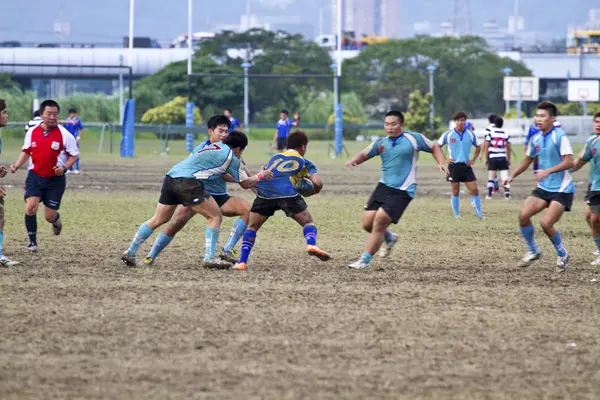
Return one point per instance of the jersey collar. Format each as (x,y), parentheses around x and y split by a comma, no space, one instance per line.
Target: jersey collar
(394,140)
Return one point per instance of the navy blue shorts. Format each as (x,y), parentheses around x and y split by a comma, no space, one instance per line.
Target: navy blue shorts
(49,190)
(281,143)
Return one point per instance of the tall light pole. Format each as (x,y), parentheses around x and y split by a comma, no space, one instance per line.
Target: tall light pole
(189,106)
(131,12)
(431,68)
(507,71)
(246,65)
(338,108)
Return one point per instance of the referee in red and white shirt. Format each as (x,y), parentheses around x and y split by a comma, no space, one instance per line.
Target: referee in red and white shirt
(53,150)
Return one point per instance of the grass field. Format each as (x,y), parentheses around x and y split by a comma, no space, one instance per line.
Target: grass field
(448,315)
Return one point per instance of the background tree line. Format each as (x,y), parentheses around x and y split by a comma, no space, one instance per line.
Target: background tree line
(383,76)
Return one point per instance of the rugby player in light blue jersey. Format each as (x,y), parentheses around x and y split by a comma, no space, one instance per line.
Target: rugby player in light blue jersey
(591,154)
(230,206)
(184,184)
(460,166)
(397,186)
(555,188)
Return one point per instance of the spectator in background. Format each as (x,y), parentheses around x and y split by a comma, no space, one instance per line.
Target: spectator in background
(75,127)
(236,125)
(284,127)
(35,121)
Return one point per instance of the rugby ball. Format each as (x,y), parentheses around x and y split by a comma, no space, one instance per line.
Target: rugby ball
(305,187)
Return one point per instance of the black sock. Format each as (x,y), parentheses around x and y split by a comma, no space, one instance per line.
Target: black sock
(31,226)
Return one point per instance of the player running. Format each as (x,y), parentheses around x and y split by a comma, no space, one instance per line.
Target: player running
(497,150)
(459,141)
(555,188)
(52,151)
(396,189)
(592,207)
(230,206)
(282,194)
(184,184)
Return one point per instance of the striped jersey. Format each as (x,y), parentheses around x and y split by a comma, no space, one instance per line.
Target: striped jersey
(497,139)
(34,122)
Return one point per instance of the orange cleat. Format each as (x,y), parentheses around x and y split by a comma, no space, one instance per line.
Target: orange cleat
(240,267)
(317,252)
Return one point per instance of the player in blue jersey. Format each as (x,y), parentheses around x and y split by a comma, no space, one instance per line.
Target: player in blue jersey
(184,184)
(591,154)
(75,127)
(459,141)
(281,193)
(284,127)
(234,123)
(555,188)
(230,206)
(397,186)
(533,130)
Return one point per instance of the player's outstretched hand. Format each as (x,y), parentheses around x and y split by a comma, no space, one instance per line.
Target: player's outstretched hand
(350,164)
(444,169)
(507,181)
(13,169)
(2,192)
(3,171)
(266,175)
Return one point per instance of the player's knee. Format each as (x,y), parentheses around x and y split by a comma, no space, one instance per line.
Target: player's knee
(546,225)
(594,220)
(31,209)
(367,226)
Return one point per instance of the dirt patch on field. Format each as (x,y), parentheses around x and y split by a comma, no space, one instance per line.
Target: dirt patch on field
(446,316)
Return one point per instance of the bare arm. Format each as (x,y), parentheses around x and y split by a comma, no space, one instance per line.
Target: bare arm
(476,155)
(263,175)
(438,155)
(23,158)
(357,160)
(579,163)
(520,169)
(317,182)
(508,152)
(486,146)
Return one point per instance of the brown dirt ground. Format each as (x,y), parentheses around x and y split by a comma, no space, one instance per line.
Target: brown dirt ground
(447,316)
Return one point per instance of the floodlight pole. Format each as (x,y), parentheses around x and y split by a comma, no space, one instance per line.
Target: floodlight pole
(507,71)
(246,65)
(431,68)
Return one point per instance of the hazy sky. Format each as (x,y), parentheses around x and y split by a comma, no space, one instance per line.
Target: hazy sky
(107,20)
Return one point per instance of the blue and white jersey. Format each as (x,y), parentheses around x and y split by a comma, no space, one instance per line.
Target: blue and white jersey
(533,130)
(214,186)
(284,127)
(550,149)
(591,153)
(459,144)
(210,163)
(399,157)
(287,168)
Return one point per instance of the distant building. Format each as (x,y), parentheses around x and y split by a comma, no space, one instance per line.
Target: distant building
(368,17)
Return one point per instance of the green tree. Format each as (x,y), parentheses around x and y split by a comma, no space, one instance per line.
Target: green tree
(270,53)
(468,76)
(172,113)
(416,119)
(354,112)
(7,84)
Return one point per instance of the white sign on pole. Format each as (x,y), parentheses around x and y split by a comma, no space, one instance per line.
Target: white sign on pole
(529,86)
(584,90)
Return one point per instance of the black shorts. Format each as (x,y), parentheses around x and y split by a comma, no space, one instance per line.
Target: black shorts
(186,191)
(289,205)
(588,194)
(221,198)
(460,172)
(594,202)
(49,190)
(497,164)
(393,201)
(281,143)
(566,199)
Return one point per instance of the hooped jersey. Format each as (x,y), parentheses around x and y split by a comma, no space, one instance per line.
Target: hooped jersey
(287,168)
